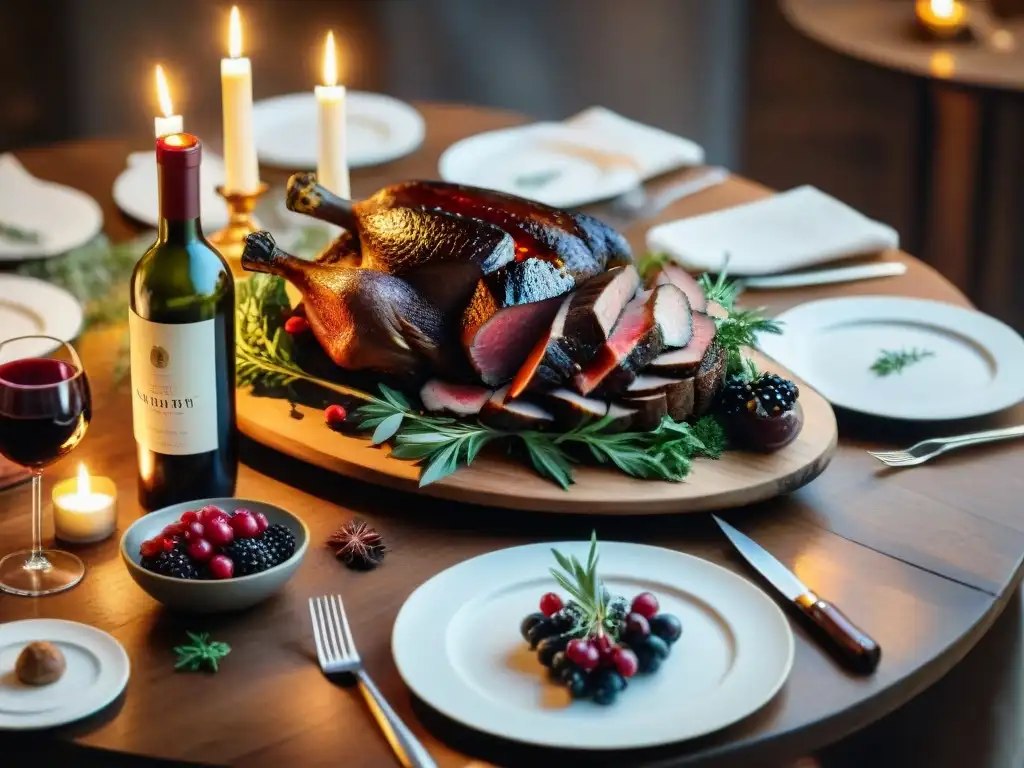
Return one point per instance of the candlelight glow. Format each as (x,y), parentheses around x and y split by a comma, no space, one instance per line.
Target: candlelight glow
(83,488)
(163,93)
(943,9)
(235,34)
(330,61)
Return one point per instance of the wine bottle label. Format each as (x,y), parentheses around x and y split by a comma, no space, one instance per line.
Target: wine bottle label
(174,385)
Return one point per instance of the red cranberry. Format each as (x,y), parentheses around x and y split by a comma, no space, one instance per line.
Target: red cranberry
(296,324)
(191,516)
(167,544)
(334,415)
(550,604)
(583,654)
(194,530)
(211,512)
(625,662)
(244,525)
(221,567)
(261,521)
(637,625)
(200,550)
(219,533)
(646,605)
(151,548)
(172,530)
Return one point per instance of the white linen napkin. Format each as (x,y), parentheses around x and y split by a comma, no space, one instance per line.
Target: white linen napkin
(799,228)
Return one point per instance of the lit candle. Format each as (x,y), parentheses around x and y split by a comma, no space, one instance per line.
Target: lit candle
(169,123)
(84,508)
(241,170)
(331,163)
(942,18)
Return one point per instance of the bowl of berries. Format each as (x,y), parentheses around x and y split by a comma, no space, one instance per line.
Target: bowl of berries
(214,555)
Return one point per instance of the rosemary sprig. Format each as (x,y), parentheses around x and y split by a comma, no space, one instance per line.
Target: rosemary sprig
(200,652)
(895,361)
(721,290)
(15,234)
(583,585)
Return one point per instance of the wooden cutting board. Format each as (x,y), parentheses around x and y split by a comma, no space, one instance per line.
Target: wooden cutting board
(737,479)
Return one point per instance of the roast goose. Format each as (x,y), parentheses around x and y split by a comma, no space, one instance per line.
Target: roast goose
(527,316)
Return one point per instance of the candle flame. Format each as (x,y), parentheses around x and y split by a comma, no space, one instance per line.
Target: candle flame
(943,9)
(330,61)
(83,488)
(235,34)
(163,93)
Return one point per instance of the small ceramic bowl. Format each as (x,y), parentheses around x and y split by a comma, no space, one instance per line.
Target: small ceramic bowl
(211,596)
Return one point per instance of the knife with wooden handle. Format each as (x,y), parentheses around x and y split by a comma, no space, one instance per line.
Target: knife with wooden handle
(848,643)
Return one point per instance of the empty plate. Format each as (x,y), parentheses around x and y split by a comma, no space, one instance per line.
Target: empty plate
(968,365)
(379,129)
(31,307)
(457,645)
(97,671)
(136,191)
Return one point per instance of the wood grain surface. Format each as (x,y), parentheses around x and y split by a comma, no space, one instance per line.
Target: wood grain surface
(923,560)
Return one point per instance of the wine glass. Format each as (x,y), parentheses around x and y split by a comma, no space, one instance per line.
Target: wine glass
(45,407)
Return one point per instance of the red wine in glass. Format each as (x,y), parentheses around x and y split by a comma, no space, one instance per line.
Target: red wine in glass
(45,407)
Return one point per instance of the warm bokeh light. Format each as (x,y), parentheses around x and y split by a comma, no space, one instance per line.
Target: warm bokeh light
(942,64)
(943,8)
(235,33)
(330,61)
(83,488)
(163,93)
(180,140)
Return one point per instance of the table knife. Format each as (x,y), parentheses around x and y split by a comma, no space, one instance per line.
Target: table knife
(851,645)
(825,276)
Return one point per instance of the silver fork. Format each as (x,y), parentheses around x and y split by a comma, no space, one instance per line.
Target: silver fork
(337,654)
(929,449)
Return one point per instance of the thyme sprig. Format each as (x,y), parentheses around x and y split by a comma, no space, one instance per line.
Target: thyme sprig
(895,361)
(200,652)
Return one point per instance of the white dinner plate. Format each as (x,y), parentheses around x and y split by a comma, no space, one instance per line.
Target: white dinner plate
(457,645)
(974,368)
(379,129)
(552,163)
(137,194)
(62,217)
(30,307)
(97,671)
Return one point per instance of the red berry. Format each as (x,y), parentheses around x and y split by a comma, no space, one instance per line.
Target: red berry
(550,604)
(210,512)
(605,648)
(151,548)
(582,654)
(219,532)
(334,415)
(296,324)
(244,525)
(200,550)
(261,521)
(637,625)
(646,605)
(172,530)
(167,544)
(194,530)
(625,662)
(191,516)
(221,567)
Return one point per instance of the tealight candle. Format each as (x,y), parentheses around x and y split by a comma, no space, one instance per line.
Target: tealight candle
(331,163)
(169,123)
(241,168)
(84,508)
(942,18)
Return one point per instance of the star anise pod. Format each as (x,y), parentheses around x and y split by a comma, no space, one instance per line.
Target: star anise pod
(358,545)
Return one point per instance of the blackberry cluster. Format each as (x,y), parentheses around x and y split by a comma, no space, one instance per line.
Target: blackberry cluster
(279,542)
(174,563)
(767,395)
(249,556)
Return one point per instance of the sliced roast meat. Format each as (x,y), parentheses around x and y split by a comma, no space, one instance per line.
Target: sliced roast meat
(571,409)
(679,393)
(675,317)
(498,345)
(457,399)
(547,363)
(622,417)
(650,410)
(675,275)
(513,415)
(709,379)
(683,363)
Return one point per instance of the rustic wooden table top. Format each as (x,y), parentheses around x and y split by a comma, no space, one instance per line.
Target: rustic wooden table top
(923,559)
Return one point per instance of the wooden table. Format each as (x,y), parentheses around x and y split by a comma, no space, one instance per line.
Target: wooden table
(923,559)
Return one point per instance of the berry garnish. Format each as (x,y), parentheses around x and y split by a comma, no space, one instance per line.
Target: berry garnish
(646,605)
(194,530)
(667,627)
(221,567)
(548,647)
(296,324)
(200,550)
(550,604)
(761,414)
(529,623)
(583,654)
(191,516)
(172,530)
(625,662)
(151,547)
(637,626)
(211,512)
(261,521)
(219,532)
(244,525)
(334,415)
(167,543)
(542,629)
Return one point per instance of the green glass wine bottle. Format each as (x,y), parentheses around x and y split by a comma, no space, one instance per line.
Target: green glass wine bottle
(182,332)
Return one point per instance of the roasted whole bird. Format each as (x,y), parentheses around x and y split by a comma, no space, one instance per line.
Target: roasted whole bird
(524,314)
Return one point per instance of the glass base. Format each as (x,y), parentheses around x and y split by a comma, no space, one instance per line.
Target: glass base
(55,571)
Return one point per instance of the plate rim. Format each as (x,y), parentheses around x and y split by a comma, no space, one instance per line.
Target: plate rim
(769,345)
(66,331)
(87,201)
(772,607)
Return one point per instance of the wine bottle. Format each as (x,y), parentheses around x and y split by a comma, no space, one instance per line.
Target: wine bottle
(182,333)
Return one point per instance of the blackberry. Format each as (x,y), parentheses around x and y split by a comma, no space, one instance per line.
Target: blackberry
(767,395)
(570,617)
(279,542)
(175,564)
(615,615)
(249,556)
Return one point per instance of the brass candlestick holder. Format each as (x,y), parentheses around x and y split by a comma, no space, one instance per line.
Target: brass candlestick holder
(230,241)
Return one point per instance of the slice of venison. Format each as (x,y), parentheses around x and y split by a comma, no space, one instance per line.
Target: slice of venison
(709,379)
(675,275)
(513,415)
(683,363)
(650,410)
(679,393)
(571,409)
(458,399)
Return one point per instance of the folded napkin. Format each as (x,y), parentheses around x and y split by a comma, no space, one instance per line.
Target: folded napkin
(799,228)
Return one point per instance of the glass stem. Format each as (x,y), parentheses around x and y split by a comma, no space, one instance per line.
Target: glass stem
(37,561)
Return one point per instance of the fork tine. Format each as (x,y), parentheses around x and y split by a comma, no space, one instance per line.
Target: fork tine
(325,622)
(332,605)
(891,455)
(348,630)
(320,655)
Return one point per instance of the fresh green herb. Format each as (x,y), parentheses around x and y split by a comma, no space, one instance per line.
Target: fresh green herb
(17,235)
(738,331)
(585,587)
(649,264)
(200,652)
(721,290)
(711,434)
(894,361)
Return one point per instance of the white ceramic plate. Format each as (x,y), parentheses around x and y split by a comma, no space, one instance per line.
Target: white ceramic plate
(97,671)
(29,307)
(831,344)
(137,194)
(63,217)
(549,162)
(379,129)
(457,645)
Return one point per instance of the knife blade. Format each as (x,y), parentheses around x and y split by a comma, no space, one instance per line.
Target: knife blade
(851,645)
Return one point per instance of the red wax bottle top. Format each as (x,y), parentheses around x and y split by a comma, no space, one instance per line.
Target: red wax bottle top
(181,150)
